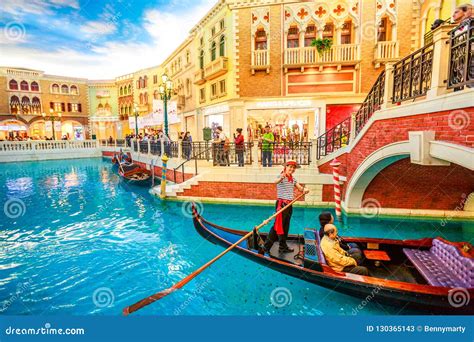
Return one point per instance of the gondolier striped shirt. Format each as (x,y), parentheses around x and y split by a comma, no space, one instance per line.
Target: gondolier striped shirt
(285,189)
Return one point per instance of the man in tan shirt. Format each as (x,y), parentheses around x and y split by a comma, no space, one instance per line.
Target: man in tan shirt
(337,258)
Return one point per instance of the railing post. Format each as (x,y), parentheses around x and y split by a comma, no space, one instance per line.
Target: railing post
(149,149)
(440,66)
(313,152)
(388,87)
(254,152)
(180,149)
(352,128)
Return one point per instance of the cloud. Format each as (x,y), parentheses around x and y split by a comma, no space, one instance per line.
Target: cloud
(43,7)
(161,32)
(93,28)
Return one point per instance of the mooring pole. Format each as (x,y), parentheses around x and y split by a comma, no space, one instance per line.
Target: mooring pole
(164,160)
(337,187)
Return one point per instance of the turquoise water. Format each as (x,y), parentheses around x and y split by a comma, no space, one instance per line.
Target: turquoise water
(75,240)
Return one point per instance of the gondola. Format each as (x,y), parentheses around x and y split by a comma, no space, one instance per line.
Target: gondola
(134,174)
(404,280)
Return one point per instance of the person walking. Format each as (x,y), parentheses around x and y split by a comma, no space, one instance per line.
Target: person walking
(239,146)
(268,141)
(286,184)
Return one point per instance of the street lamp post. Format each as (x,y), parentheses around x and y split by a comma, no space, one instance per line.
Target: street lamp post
(135,113)
(52,118)
(166,90)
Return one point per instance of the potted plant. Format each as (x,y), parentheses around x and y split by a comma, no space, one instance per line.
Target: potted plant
(322,45)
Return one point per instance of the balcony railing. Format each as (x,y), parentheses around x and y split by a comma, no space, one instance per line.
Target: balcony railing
(461,66)
(199,77)
(216,68)
(386,52)
(260,60)
(412,75)
(338,54)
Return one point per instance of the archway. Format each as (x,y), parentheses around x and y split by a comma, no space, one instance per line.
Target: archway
(73,130)
(13,129)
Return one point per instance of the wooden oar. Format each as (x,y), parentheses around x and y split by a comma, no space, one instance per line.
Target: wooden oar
(157,296)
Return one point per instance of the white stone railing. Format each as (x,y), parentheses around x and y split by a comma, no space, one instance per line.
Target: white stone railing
(309,55)
(47,145)
(386,51)
(260,58)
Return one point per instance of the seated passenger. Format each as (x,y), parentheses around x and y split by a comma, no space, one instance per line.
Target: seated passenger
(337,258)
(352,248)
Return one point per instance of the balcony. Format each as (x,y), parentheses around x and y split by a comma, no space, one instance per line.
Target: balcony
(345,54)
(216,68)
(260,61)
(385,52)
(199,77)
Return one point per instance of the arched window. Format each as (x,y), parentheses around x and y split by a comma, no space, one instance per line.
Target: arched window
(260,39)
(129,89)
(74,90)
(100,106)
(213,51)
(24,85)
(188,87)
(13,85)
(384,30)
(129,109)
(25,105)
(145,81)
(14,105)
(309,34)
(328,31)
(64,89)
(201,59)
(35,104)
(141,98)
(293,37)
(222,46)
(55,88)
(35,86)
(145,98)
(121,91)
(156,95)
(346,33)
(188,57)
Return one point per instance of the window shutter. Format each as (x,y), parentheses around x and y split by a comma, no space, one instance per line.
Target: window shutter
(79,107)
(69,107)
(63,107)
(51,105)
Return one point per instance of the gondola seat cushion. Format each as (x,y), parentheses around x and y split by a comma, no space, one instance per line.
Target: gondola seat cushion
(443,265)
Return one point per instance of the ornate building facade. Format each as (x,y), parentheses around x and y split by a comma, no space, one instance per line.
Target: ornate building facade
(299,66)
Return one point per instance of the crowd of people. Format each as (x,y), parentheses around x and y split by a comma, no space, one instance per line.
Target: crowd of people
(30,138)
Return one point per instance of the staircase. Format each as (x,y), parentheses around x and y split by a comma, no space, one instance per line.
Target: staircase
(172,190)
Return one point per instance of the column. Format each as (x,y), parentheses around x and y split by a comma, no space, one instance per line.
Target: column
(440,68)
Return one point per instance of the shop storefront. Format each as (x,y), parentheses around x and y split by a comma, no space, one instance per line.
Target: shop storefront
(215,116)
(289,120)
(12,129)
(105,127)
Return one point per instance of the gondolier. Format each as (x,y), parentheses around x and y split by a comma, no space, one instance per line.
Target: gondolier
(285,194)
